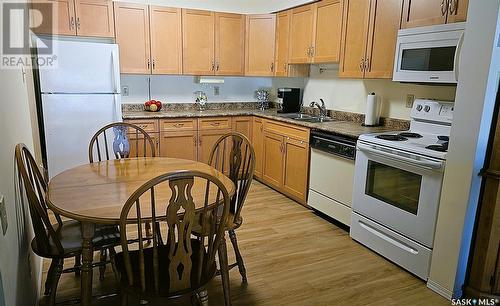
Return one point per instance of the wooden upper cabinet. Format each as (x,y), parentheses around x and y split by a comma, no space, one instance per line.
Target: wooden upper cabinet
(260,40)
(354,37)
(166,40)
(132,36)
(327,29)
(282,37)
(457,10)
(198,42)
(301,34)
(43,21)
(229,44)
(94,18)
(417,13)
(384,25)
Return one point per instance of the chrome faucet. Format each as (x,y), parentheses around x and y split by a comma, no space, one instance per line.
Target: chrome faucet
(322,107)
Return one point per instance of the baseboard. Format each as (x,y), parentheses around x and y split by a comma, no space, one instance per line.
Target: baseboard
(447,294)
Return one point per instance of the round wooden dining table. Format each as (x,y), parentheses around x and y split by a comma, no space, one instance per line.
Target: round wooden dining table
(95,194)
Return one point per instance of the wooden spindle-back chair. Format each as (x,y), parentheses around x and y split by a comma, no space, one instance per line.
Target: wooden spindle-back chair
(55,241)
(233,155)
(182,265)
(113,141)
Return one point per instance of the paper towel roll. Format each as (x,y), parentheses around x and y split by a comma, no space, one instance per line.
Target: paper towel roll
(371,115)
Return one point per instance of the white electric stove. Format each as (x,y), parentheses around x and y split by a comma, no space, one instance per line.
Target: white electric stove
(397,186)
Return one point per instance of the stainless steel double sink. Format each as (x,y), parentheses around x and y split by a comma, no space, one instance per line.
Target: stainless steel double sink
(306,118)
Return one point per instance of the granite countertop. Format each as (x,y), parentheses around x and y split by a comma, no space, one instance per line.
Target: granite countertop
(351,129)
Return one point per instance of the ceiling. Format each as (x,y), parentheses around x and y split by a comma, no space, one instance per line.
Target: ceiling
(235,6)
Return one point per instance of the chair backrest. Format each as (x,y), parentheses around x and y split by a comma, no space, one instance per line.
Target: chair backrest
(168,202)
(116,137)
(233,155)
(34,185)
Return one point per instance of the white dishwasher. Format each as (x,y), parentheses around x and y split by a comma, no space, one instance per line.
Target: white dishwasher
(332,175)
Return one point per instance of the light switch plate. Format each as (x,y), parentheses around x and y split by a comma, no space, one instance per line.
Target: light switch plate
(409,100)
(3,215)
(125,91)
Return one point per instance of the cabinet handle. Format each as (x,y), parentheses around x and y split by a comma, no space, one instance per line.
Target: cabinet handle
(213,65)
(312,51)
(153,64)
(362,64)
(72,23)
(261,128)
(78,23)
(367,65)
(272,67)
(179,124)
(452,7)
(444,7)
(215,123)
(199,140)
(217,67)
(194,140)
(285,67)
(149,62)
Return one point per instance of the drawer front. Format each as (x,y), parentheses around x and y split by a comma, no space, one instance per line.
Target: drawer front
(292,131)
(150,126)
(215,123)
(173,125)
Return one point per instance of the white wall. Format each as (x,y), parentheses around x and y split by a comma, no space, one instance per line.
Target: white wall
(479,77)
(233,6)
(350,94)
(180,89)
(19,268)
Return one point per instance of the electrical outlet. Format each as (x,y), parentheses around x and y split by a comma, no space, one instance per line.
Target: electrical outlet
(409,100)
(3,215)
(125,91)
(216,90)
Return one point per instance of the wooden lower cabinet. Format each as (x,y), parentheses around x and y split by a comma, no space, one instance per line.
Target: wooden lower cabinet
(179,145)
(273,165)
(137,145)
(296,168)
(258,145)
(281,149)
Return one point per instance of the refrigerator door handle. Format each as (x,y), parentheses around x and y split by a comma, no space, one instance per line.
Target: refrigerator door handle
(118,108)
(115,71)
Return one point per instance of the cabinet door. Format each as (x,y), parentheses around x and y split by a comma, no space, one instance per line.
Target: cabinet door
(301,34)
(260,39)
(354,36)
(273,159)
(328,30)
(417,13)
(179,145)
(282,37)
(206,141)
(166,40)
(198,42)
(258,145)
(243,125)
(229,44)
(296,169)
(95,18)
(44,22)
(132,36)
(457,10)
(384,25)
(137,145)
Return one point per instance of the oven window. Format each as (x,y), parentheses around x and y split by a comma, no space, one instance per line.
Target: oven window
(428,59)
(394,186)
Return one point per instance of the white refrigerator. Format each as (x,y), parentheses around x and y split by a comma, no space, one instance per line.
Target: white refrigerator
(78,96)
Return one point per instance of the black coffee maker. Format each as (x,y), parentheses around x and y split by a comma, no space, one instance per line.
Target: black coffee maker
(289,100)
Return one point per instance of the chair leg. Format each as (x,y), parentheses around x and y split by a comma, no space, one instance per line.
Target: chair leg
(102,267)
(78,264)
(203,297)
(224,271)
(239,258)
(50,277)
(58,268)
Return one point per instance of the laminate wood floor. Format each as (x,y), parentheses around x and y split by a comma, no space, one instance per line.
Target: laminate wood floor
(293,257)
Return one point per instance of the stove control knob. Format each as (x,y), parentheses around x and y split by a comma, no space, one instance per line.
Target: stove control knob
(419,107)
(427,108)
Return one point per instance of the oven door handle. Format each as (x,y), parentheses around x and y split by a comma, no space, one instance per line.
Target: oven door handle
(423,163)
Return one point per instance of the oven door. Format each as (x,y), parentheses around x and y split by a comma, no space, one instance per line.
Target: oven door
(398,190)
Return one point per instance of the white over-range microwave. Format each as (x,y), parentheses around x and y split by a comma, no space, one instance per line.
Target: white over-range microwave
(429,54)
